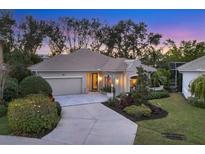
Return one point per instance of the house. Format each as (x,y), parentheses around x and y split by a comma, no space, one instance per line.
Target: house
(191,71)
(44,57)
(84,71)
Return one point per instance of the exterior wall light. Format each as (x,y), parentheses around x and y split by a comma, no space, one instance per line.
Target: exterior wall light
(100,78)
(117,81)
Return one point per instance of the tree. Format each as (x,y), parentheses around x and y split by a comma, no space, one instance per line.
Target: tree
(3,74)
(56,38)
(19,60)
(7,24)
(127,39)
(153,57)
(197,88)
(185,52)
(80,33)
(142,91)
(31,34)
(161,77)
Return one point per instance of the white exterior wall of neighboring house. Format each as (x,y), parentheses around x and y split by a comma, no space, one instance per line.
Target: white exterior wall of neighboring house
(188,77)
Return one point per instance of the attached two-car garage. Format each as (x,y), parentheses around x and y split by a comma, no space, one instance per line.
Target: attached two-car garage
(65,85)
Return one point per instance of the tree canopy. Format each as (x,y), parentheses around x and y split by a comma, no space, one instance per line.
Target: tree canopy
(125,39)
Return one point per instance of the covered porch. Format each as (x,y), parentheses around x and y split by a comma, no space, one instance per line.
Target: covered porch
(97,81)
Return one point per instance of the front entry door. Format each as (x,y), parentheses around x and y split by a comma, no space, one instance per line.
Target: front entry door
(94,81)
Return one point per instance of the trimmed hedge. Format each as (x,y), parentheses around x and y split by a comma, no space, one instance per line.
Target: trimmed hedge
(138,111)
(158,94)
(59,108)
(32,116)
(10,89)
(3,110)
(35,85)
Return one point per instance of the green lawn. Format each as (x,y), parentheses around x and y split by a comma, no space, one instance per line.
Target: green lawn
(182,118)
(4,130)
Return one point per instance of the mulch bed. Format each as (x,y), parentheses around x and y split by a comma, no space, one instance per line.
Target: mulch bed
(157,113)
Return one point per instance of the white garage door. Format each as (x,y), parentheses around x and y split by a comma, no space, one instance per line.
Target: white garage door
(65,86)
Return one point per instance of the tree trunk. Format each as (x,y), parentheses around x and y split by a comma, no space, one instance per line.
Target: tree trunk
(1,53)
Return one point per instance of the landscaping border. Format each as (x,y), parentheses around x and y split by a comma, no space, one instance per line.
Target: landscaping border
(153,116)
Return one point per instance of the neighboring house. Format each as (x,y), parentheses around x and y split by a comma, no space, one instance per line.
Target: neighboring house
(191,71)
(84,71)
(44,57)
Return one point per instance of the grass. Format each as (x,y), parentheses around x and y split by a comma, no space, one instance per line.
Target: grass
(182,118)
(4,130)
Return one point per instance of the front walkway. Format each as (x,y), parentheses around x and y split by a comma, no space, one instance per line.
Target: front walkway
(92,97)
(92,124)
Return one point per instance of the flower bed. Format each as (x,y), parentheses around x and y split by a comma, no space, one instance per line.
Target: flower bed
(156,112)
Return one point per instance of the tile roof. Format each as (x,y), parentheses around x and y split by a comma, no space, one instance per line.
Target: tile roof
(82,60)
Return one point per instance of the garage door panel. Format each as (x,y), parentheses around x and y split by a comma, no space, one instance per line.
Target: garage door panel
(65,86)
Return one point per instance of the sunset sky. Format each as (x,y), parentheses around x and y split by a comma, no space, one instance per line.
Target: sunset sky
(175,24)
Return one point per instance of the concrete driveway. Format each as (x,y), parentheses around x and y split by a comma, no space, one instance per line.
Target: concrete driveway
(68,100)
(92,124)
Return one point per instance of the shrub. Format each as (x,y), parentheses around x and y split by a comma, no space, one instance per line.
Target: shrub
(59,108)
(197,88)
(195,102)
(132,110)
(3,110)
(19,71)
(106,89)
(146,111)
(161,77)
(112,101)
(125,101)
(10,89)
(138,111)
(35,85)
(158,94)
(142,85)
(33,116)
(137,97)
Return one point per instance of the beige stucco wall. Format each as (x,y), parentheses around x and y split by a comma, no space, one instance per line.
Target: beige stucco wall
(121,86)
(67,74)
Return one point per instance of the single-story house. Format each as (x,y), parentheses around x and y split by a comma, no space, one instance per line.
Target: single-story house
(84,71)
(191,71)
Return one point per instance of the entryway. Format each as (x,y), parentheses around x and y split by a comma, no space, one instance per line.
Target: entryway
(94,81)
